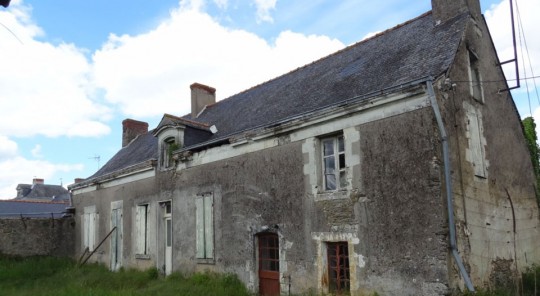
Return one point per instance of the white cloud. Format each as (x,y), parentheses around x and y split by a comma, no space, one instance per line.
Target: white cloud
(36,151)
(221,3)
(16,169)
(263,10)
(498,19)
(150,74)
(8,148)
(45,87)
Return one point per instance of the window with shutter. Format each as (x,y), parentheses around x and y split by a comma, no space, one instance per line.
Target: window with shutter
(204,214)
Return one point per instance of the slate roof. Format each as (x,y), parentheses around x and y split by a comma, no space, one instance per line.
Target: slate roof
(142,148)
(43,192)
(31,209)
(410,51)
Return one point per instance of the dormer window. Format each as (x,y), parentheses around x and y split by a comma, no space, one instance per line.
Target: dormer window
(169,146)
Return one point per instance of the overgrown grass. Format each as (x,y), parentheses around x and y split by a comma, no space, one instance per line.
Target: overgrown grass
(529,286)
(61,276)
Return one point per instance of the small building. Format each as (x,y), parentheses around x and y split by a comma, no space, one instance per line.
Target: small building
(390,166)
(36,200)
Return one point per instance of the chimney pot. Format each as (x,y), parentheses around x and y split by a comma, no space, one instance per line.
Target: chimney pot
(201,96)
(131,129)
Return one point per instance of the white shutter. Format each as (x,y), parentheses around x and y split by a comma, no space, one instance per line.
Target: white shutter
(209,225)
(476,144)
(85,221)
(139,230)
(91,231)
(199,224)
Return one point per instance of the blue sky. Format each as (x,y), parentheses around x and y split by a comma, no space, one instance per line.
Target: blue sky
(73,70)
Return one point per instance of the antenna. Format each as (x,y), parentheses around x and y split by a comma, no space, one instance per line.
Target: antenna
(97,158)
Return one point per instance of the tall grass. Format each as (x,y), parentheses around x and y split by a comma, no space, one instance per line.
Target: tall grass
(60,276)
(528,286)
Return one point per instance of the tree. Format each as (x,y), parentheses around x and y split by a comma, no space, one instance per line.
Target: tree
(529,129)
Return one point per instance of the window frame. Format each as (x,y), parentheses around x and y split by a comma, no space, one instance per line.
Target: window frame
(475,77)
(90,218)
(142,212)
(340,163)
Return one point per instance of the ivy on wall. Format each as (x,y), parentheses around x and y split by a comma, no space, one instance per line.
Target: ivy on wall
(529,129)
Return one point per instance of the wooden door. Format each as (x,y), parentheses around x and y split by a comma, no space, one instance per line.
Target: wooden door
(268,264)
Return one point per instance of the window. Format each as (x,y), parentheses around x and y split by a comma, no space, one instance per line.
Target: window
(141,228)
(338,267)
(475,143)
(475,77)
(168,147)
(269,252)
(333,156)
(89,228)
(205,226)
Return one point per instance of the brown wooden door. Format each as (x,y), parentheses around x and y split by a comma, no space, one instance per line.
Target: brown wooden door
(268,264)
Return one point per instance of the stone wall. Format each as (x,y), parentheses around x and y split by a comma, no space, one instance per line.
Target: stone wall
(42,236)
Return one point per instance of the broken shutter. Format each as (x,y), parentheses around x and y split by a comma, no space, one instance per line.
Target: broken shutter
(199,216)
(209,225)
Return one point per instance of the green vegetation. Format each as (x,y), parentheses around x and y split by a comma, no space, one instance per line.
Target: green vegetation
(529,129)
(61,276)
(528,286)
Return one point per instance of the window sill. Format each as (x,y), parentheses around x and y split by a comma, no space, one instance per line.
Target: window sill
(142,256)
(205,261)
(331,195)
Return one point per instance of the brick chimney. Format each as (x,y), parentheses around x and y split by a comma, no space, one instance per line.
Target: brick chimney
(38,181)
(131,129)
(444,10)
(78,180)
(201,96)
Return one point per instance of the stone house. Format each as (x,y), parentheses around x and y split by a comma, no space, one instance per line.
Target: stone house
(389,166)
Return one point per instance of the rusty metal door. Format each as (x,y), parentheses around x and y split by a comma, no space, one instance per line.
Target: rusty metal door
(268,264)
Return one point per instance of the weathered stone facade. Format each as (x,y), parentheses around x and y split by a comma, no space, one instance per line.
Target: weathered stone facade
(378,203)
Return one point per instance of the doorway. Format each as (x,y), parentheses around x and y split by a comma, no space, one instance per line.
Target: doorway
(268,264)
(167,234)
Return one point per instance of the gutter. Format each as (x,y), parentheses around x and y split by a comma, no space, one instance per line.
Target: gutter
(448,182)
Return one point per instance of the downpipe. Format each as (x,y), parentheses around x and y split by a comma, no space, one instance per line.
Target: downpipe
(448,181)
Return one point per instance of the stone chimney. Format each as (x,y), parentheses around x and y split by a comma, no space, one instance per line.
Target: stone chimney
(38,181)
(131,129)
(201,96)
(78,180)
(444,10)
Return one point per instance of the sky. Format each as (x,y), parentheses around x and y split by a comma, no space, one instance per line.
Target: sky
(73,70)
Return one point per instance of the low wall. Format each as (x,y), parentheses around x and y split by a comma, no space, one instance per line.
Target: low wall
(39,236)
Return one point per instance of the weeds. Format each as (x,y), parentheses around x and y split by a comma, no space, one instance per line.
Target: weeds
(60,276)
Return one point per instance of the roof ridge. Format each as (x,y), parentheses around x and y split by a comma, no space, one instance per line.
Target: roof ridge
(197,123)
